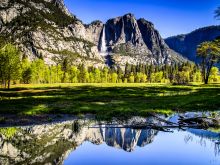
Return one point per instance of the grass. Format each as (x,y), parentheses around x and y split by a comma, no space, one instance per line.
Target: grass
(107,100)
(8,132)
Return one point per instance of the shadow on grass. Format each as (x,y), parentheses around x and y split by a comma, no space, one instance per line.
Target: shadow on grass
(108,101)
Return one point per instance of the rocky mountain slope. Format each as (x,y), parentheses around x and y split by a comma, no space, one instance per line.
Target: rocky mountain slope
(187,44)
(46,29)
(41,29)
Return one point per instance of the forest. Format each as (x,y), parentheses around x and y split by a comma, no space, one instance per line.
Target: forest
(17,70)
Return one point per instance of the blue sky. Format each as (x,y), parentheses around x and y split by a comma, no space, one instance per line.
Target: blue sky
(170,17)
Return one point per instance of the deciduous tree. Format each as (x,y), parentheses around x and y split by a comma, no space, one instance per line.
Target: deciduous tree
(210,55)
(10,64)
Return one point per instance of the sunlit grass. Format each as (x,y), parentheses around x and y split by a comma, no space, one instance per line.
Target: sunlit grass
(42,108)
(108,99)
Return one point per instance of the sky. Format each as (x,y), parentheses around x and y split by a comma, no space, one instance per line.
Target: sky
(170,17)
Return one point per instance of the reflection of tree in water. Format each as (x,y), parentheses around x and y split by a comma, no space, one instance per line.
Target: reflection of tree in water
(76,127)
(201,141)
(217,149)
(188,138)
(205,135)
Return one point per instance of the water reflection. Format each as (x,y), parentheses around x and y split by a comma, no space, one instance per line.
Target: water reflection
(214,137)
(71,142)
(126,138)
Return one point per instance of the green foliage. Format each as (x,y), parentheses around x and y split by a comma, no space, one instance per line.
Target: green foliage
(131,78)
(37,72)
(8,132)
(114,77)
(26,71)
(214,75)
(209,52)
(10,65)
(64,71)
(74,72)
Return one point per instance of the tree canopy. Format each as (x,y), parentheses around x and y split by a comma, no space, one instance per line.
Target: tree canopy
(10,64)
(210,55)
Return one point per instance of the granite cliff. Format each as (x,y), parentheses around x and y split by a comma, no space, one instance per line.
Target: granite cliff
(46,29)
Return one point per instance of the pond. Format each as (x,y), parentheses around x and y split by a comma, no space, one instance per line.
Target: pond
(87,141)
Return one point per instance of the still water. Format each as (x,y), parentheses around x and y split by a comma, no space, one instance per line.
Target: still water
(64,143)
(180,148)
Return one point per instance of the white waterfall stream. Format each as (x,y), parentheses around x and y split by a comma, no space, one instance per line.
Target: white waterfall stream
(103,47)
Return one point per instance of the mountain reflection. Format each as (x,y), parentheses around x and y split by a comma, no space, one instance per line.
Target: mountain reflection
(52,143)
(127,139)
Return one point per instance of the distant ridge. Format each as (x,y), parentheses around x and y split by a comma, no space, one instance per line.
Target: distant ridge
(186,44)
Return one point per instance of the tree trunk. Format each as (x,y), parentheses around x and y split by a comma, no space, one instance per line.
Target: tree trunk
(9,83)
(203,70)
(208,73)
(206,81)
(5,82)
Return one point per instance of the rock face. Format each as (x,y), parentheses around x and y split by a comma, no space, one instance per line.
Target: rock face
(46,29)
(187,44)
(43,29)
(136,41)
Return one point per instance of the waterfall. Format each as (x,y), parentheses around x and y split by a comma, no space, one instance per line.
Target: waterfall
(103,47)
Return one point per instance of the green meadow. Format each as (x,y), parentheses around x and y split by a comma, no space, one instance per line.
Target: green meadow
(108,99)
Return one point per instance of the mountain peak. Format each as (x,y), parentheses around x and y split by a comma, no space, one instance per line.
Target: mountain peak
(129,15)
(144,21)
(61,5)
(96,22)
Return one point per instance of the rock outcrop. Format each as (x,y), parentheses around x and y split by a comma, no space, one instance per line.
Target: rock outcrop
(187,44)
(42,29)
(136,41)
(46,29)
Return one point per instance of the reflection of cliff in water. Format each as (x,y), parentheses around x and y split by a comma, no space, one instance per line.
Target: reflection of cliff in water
(53,142)
(127,139)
